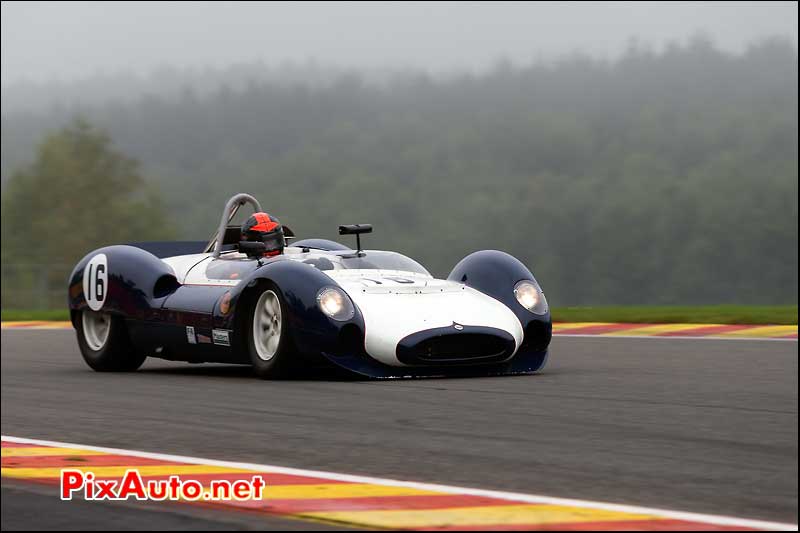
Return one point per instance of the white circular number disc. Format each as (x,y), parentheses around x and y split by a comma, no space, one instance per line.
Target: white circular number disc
(95,281)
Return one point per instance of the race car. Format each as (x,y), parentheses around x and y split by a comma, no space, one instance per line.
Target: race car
(376,313)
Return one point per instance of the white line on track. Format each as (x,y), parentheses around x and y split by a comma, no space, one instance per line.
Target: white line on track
(512,496)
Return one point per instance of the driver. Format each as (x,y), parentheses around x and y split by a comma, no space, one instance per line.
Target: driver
(263,227)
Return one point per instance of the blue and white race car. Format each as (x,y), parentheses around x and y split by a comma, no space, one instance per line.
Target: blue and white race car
(376,313)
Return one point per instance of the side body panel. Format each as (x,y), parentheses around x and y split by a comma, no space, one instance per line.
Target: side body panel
(159,311)
(300,283)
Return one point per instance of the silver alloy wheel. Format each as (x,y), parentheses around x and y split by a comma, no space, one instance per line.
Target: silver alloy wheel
(95,328)
(267,325)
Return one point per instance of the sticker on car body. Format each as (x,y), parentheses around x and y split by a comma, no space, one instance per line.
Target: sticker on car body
(221,337)
(190,335)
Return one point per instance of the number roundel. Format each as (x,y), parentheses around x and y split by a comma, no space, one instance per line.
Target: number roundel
(95,281)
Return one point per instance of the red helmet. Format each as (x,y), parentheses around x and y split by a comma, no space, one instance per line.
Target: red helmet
(263,227)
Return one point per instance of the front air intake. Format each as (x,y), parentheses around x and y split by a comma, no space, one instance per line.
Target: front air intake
(471,345)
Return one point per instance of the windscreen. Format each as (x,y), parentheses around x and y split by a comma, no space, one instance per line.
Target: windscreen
(383,261)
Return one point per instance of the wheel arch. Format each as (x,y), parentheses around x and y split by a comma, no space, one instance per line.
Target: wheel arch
(136,282)
(495,273)
(299,285)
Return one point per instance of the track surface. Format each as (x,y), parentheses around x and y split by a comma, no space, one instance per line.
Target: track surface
(696,425)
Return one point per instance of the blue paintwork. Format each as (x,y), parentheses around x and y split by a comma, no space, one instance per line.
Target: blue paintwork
(157,308)
(299,283)
(199,299)
(132,277)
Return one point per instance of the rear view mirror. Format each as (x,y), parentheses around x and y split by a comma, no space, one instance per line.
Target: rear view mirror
(355,229)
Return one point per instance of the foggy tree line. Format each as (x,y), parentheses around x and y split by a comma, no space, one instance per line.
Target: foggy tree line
(661,177)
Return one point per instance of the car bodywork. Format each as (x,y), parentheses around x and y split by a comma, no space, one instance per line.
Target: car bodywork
(191,306)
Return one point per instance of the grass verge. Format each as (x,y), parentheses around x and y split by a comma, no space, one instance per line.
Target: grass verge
(701,314)
(34,314)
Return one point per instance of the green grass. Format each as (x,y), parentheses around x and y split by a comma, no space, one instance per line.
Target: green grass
(705,314)
(35,314)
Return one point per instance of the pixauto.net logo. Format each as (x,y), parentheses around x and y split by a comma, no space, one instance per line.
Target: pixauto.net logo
(132,486)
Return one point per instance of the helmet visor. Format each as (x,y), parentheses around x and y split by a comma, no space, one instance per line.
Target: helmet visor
(273,240)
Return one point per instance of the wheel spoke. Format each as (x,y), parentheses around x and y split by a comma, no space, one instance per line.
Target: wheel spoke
(272,343)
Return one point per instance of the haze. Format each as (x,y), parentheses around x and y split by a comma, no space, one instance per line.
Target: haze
(43,41)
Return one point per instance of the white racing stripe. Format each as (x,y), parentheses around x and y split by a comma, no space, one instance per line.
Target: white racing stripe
(512,496)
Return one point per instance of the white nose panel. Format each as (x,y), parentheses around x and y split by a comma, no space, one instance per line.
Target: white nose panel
(391,316)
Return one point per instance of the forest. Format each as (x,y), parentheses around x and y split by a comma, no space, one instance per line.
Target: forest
(659,177)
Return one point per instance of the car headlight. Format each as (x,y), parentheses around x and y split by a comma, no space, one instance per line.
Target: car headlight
(531,297)
(335,303)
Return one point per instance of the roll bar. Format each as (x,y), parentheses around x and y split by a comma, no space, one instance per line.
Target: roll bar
(231,208)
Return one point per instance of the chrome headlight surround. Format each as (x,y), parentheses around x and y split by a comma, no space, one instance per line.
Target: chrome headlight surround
(334,303)
(531,297)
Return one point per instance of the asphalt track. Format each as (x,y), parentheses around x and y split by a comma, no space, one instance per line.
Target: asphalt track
(703,425)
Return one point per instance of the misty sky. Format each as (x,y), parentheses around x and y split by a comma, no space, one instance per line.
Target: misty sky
(70,40)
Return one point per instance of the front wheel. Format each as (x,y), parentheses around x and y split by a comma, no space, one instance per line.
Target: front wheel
(269,339)
(104,343)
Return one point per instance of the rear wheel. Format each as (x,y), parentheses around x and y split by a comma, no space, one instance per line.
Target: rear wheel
(269,339)
(104,343)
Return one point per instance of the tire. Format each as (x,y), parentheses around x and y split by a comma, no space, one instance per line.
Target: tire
(104,343)
(268,338)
